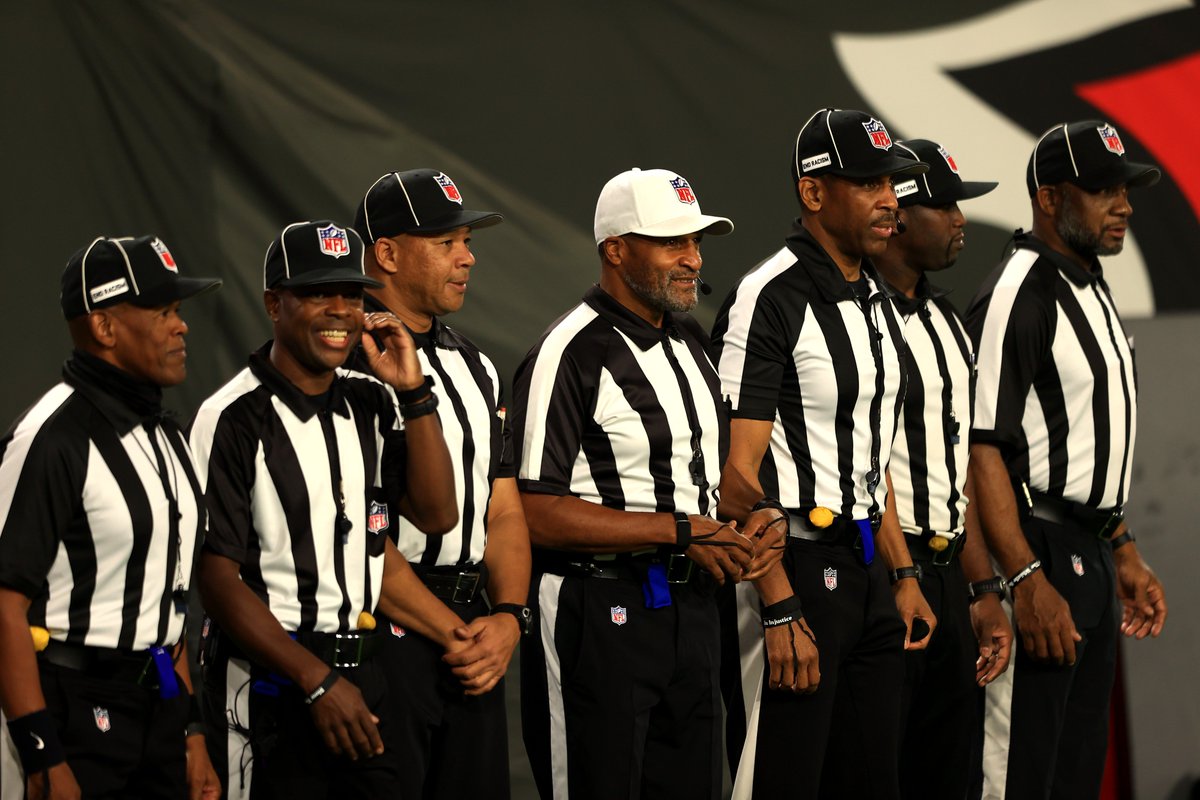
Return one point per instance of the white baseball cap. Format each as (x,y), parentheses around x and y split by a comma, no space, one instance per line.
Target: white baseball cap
(652,202)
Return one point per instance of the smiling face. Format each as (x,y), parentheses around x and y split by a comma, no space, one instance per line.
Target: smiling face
(1093,223)
(651,274)
(316,327)
(149,342)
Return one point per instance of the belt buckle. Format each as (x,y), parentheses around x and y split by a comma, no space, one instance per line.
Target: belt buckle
(460,586)
(357,648)
(674,572)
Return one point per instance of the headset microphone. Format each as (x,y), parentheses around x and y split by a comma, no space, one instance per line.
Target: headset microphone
(900,227)
(705,289)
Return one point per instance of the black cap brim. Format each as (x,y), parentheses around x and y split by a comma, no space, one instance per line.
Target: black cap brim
(319,277)
(1129,173)
(459,219)
(176,290)
(966,190)
(888,165)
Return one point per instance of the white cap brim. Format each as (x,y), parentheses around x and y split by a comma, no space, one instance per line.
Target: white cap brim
(682,226)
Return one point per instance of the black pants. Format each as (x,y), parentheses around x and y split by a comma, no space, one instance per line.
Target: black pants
(841,741)
(263,742)
(940,712)
(447,744)
(618,700)
(121,740)
(1057,737)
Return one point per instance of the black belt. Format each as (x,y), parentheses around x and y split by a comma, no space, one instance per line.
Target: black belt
(1100,522)
(454,584)
(342,650)
(918,547)
(131,666)
(843,530)
(623,566)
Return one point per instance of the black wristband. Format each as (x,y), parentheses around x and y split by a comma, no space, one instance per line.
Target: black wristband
(37,742)
(1122,540)
(784,612)
(408,396)
(325,686)
(683,531)
(768,502)
(977,589)
(900,573)
(1023,573)
(413,411)
(195,720)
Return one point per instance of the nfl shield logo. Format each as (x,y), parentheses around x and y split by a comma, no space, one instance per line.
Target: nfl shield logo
(878,133)
(683,191)
(102,720)
(618,615)
(1112,142)
(333,241)
(949,160)
(164,255)
(377,517)
(448,187)
(397,631)
(1077,564)
(830,578)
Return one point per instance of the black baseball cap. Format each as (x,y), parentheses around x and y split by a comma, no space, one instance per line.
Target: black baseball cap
(852,144)
(1088,154)
(137,270)
(941,185)
(313,253)
(416,201)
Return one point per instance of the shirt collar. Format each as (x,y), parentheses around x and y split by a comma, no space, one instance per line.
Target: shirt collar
(925,291)
(1076,274)
(439,334)
(124,401)
(639,330)
(300,404)
(825,274)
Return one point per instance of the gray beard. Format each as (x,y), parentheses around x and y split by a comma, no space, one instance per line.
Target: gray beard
(1084,242)
(659,297)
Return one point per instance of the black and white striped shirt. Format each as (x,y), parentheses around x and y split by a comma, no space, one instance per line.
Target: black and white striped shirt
(1057,387)
(472,416)
(798,345)
(100,512)
(276,465)
(620,413)
(929,456)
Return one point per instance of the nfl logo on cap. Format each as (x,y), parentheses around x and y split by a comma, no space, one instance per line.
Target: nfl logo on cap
(164,255)
(878,133)
(448,187)
(683,190)
(618,615)
(949,159)
(1112,142)
(830,578)
(333,241)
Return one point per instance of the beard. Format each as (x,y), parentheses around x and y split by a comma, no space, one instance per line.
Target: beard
(1087,243)
(655,290)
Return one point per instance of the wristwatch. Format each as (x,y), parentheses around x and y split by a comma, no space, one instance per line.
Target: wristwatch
(523,614)
(995,585)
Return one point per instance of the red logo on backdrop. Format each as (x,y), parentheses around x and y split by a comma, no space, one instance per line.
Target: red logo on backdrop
(1112,142)
(949,160)
(878,133)
(448,187)
(683,190)
(333,241)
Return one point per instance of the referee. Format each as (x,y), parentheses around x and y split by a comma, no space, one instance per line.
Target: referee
(419,248)
(621,432)
(811,355)
(100,515)
(1052,459)
(297,458)
(928,472)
